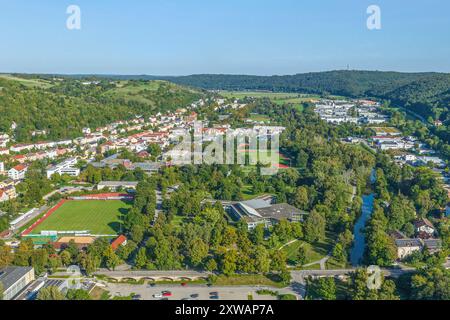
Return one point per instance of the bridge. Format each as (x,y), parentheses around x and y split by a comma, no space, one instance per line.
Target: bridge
(187,275)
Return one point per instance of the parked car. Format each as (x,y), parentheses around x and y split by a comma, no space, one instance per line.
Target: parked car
(195,295)
(214,297)
(167,294)
(184,284)
(214,293)
(157,295)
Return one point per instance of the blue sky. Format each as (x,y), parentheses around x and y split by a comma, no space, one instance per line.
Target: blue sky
(176,37)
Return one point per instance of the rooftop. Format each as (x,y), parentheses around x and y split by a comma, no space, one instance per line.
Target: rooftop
(10,275)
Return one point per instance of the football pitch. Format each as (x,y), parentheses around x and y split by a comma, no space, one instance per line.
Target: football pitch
(99,217)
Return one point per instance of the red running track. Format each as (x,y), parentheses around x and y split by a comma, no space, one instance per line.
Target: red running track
(44,217)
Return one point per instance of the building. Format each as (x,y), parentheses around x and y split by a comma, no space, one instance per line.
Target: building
(7,193)
(406,247)
(65,167)
(14,280)
(3,196)
(115,185)
(447,210)
(424,228)
(18,172)
(2,168)
(119,241)
(262,211)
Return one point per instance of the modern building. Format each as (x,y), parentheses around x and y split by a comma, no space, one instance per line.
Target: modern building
(14,280)
(2,168)
(18,172)
(65,167)
(262,211)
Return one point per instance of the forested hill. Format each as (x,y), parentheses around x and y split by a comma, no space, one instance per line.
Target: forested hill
(63,107)
(425,93)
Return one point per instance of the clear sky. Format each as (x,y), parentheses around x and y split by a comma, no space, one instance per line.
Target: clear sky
(177,37)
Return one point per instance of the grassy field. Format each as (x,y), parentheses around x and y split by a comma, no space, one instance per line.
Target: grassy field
(250,279)
(314,252)
(145,92)
(28,82)
(99,217)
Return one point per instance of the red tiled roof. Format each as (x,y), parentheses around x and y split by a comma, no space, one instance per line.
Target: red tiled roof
(20,167)
(118,241)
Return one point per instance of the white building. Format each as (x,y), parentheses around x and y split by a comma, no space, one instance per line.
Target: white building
(65,167)
(18,172)
(2,167)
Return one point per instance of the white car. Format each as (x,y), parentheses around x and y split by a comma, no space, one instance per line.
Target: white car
(157,295)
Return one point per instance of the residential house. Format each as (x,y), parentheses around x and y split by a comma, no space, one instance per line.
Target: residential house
(424,228)
(406,247)
(18,172)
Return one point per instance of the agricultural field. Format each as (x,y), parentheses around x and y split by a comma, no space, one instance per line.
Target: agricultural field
(100,217)
(276,97)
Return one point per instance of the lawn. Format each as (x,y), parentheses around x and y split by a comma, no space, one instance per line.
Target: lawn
(97,216)
(248,280)
(314,252)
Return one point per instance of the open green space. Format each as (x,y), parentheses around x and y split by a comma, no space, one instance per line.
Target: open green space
(96,216)
(248,279)
(39,83)
(314,252)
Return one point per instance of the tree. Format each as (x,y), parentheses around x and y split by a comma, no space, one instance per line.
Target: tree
(211,265)
(301,199)
(111,258)
(323,288)
(431,284)
(229,259)
(315,227)
(262,259)
(301,255)
(198,250)
(78,294)
(141,259)
(66,258)
(279,261)
(50,293)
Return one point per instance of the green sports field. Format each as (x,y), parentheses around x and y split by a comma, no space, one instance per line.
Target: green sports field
(97,216)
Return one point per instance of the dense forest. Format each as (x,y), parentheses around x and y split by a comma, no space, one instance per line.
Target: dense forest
(64,107)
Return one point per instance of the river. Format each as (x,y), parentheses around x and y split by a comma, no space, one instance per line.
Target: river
(359,243)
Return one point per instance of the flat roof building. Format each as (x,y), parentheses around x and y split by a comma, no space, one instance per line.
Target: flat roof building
(14,280)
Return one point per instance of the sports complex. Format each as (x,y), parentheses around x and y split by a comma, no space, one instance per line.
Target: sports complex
(98,215)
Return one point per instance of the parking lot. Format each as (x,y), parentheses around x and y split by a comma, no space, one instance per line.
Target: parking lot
(147,292)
